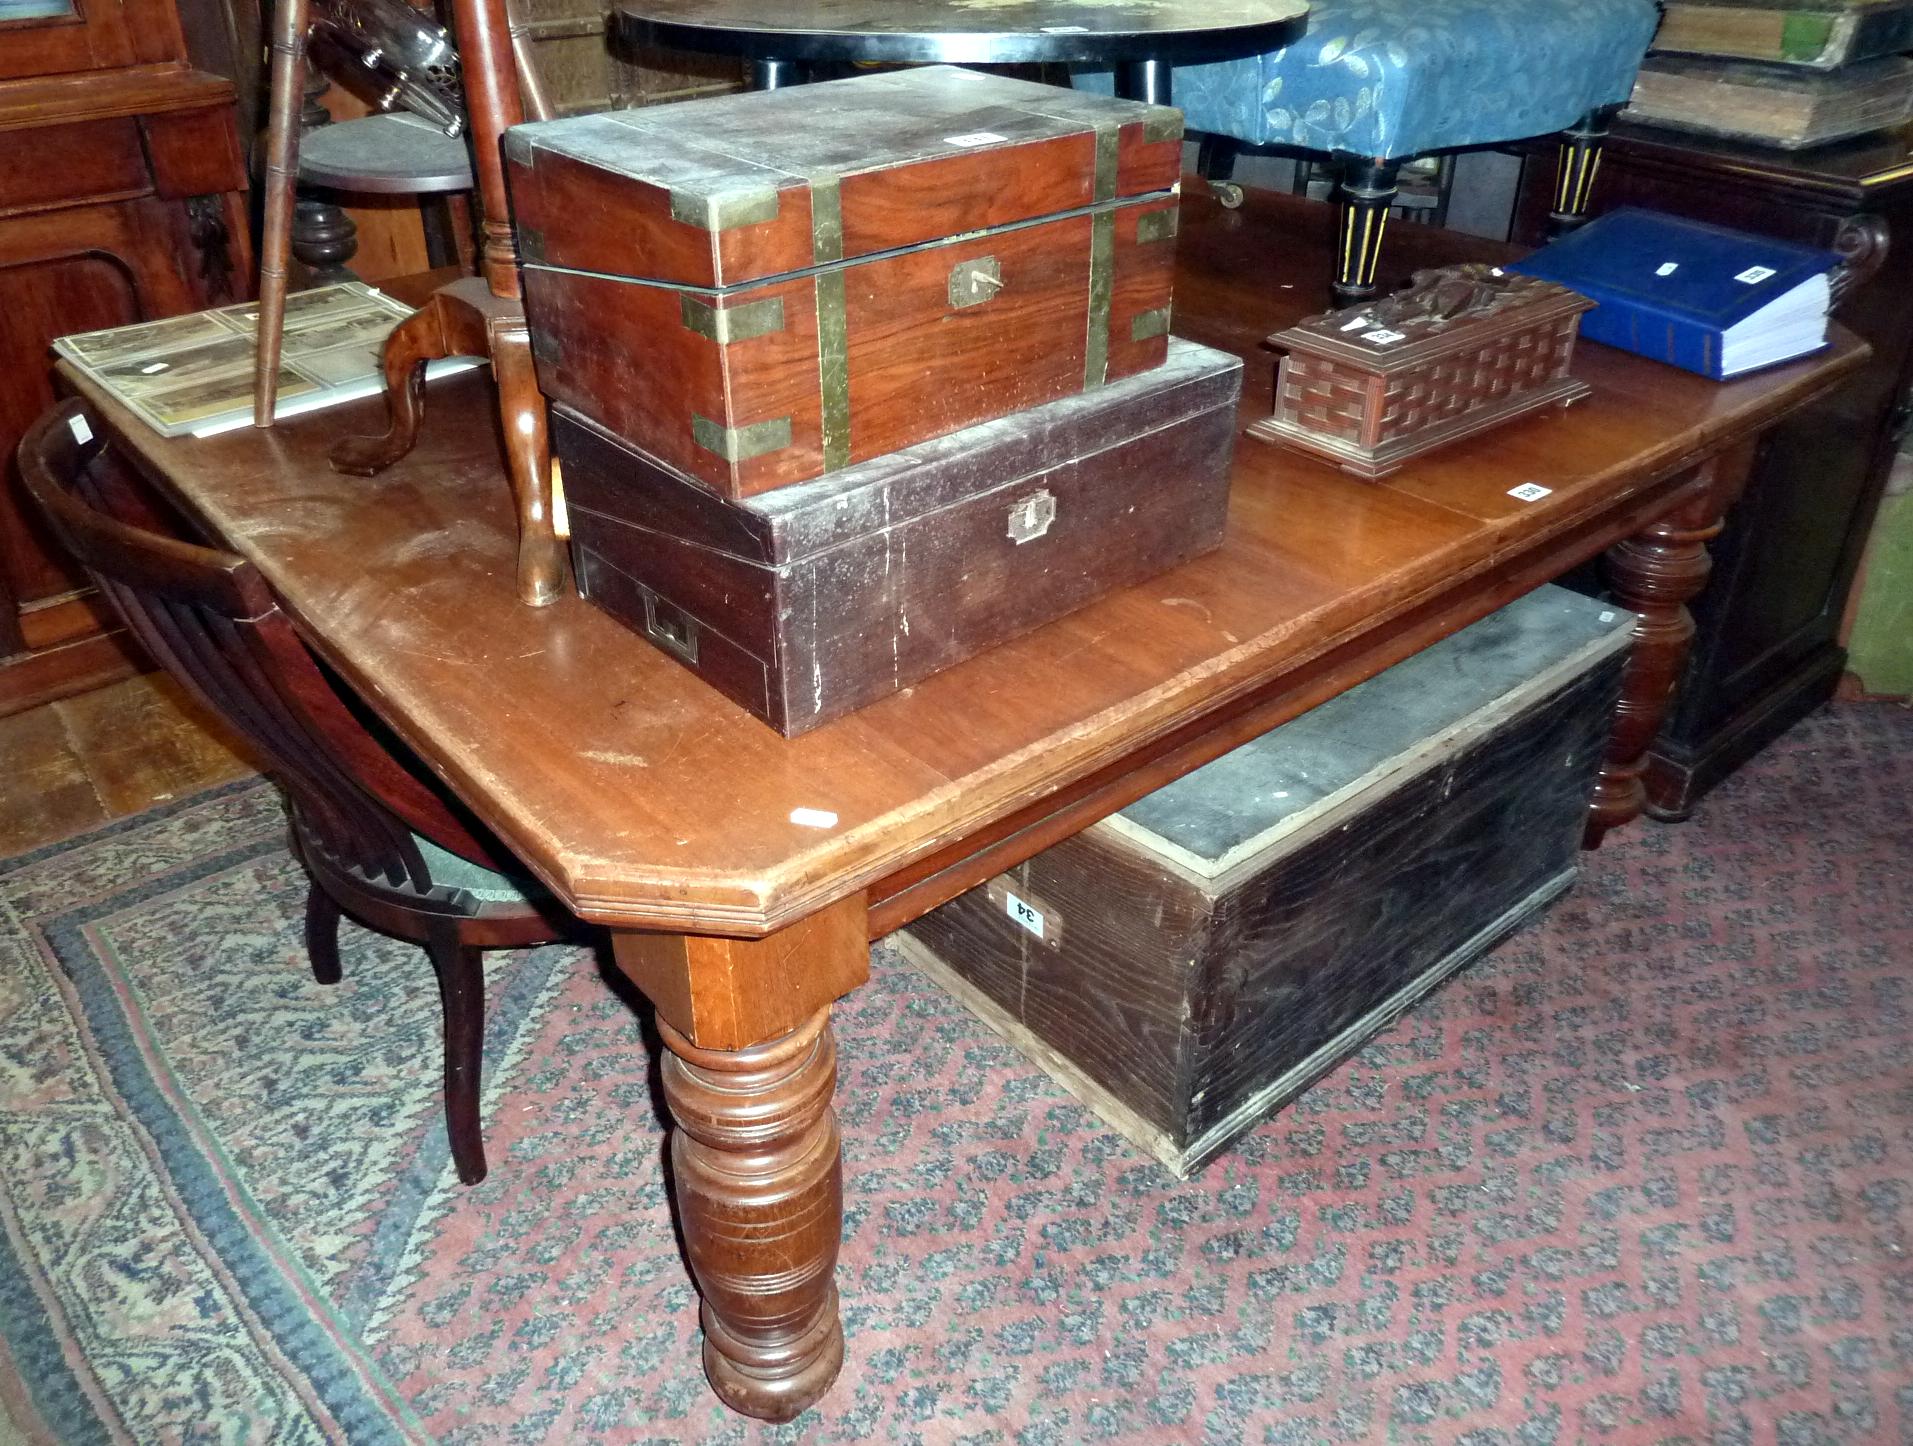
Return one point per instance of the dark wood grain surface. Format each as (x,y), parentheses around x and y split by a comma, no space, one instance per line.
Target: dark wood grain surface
(646,799)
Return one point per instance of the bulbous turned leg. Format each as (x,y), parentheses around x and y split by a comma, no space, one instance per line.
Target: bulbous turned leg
(759,1188)
(1652,574)
(521,412)
(414,342)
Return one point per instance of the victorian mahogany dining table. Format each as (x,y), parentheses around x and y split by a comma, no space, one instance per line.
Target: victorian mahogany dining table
(743,876)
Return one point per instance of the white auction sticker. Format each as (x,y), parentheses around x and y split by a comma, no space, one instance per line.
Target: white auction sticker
(1667,268)
(813,818)
(1022,913)
(1754,274)
(81,432)
(1384,337)
(1530,491)
(975,138)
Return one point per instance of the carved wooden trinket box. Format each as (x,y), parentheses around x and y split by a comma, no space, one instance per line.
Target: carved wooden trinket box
(1463,348)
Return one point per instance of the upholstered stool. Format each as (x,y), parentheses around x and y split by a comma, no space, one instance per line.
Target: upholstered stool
(1374,83)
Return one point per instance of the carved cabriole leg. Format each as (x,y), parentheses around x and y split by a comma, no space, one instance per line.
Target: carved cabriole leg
(419,339)
(466,319)
(1654,574)
(758,1181)
(748,1074)
(1578,164)
(1363,194)
(521,411)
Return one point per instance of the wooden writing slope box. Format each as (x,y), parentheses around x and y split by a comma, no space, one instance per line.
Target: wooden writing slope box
(1194,962)
(1462,349)
(760,289)
(815,599)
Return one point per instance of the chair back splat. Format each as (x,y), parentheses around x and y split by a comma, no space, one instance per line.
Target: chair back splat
(209,619)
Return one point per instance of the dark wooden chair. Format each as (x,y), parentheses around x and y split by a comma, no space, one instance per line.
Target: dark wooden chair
(382,841)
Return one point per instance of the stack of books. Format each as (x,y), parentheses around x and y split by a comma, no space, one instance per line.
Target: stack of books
(1699,297)
(1788,73)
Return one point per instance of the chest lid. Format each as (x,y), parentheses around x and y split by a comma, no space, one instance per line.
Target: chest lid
(1310,771)
(726,191)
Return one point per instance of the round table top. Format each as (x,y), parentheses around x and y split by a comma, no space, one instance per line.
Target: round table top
(965,32)
(394,154)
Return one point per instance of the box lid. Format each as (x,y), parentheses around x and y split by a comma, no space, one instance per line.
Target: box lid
(788,526)
(729,190)
(1280,786)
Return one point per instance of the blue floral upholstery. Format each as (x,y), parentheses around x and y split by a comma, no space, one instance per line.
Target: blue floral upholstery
(1399,78)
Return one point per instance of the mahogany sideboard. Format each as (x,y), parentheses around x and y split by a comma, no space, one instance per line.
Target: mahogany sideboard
(743,875)
(1767,651)
(122,199)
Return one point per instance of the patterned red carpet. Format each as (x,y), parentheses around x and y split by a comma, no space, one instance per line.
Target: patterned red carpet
(1645,1175)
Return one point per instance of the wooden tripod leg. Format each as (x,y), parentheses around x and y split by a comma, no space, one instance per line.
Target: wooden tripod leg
(419,339)
(521,411)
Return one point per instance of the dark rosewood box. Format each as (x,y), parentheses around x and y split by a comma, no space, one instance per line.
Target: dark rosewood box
(809,601)
(760,289)
(1192,963)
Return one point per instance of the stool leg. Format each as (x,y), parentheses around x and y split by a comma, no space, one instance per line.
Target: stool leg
(1579,163)
(776,74)
(1146,80)
(1215,163)
(1364,193)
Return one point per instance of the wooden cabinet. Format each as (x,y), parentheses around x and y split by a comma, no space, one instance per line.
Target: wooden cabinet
(121,199)
(1767,649)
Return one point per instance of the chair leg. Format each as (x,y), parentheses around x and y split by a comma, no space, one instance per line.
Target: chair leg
(1579,163)
(1363,195)
(322,935)
(461,988)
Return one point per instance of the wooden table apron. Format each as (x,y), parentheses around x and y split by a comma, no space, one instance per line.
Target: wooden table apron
(655,807)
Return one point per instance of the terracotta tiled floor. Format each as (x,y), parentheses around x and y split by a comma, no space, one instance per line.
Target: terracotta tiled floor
(69,765)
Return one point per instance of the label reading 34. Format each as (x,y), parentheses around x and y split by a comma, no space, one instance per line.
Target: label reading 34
(1030,918)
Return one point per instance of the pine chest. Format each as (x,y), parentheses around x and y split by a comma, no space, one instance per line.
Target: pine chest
(814,599)
(1192,963)
(760,289)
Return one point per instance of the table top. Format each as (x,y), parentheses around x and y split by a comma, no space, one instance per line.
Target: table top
(965,32)
(645,799)
(396,154)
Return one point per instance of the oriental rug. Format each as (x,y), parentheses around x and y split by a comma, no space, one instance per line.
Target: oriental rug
(1643,1175)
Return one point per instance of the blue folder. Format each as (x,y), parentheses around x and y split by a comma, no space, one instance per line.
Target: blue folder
(1674,290)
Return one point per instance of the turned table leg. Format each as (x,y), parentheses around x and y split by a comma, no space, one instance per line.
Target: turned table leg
(1654,574)
(756,1170)
(759,1187)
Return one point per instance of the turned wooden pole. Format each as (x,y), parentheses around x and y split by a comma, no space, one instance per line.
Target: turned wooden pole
(282,167)
(492,107)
